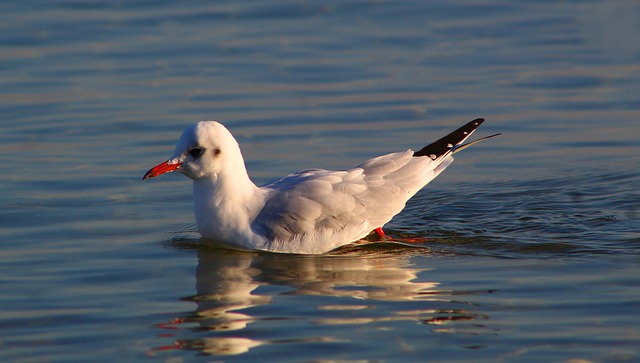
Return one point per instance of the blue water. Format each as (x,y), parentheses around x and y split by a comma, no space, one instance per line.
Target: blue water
(528,245)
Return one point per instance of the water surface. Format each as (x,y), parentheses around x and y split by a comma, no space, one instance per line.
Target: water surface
(526,249)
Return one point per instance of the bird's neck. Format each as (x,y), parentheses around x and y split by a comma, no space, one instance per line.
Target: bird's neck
(225,205)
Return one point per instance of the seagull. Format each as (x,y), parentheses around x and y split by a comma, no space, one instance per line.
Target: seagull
(312,211)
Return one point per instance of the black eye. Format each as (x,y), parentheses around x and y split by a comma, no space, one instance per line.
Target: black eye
(196,152)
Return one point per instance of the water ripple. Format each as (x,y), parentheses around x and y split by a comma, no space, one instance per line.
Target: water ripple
(544,217)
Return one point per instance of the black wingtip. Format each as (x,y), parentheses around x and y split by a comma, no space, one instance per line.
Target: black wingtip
(446,143)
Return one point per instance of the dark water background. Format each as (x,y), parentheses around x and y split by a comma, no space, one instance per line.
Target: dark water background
(532,240)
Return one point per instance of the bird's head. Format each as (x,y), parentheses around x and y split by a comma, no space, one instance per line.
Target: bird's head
(203,150)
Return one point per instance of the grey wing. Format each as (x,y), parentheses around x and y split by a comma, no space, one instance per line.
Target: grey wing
(346,204)
(312,202)
(393,179)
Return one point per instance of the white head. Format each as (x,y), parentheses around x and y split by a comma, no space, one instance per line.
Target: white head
(205,149)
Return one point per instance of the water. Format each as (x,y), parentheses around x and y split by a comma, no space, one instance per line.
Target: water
(531,240)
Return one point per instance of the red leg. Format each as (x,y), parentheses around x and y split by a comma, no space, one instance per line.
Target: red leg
(383,237)
(415,240)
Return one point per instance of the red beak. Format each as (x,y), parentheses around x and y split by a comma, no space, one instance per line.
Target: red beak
(161,169)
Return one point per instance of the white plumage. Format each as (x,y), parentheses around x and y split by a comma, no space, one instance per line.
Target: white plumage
(312,211)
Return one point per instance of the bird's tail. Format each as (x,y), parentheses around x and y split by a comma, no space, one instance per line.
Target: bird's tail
(453,142)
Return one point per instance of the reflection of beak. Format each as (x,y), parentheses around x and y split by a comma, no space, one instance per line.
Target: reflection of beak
(161,169)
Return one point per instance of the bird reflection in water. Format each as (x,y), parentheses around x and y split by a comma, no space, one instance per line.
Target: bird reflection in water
(230,283)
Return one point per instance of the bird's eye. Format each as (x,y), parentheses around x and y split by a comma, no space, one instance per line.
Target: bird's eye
(196,152)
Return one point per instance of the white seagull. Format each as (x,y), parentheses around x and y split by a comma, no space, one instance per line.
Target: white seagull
(309,212)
